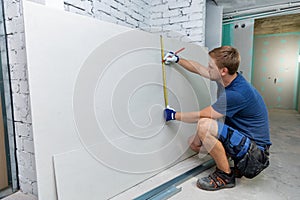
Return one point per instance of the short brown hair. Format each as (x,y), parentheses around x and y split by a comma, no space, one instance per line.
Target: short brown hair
(226,56)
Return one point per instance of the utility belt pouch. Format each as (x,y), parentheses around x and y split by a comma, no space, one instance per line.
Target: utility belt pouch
(254,161)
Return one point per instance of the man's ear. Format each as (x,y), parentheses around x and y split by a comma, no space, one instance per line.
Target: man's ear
(224,71)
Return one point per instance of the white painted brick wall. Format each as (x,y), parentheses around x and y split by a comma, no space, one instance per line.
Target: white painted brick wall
(180,19)
(186,18)
(131,13)
(20,95)
(182,16)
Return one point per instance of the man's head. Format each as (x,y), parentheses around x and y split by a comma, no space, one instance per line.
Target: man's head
(226,57)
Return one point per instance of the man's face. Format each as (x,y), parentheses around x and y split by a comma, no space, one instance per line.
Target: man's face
(213,70)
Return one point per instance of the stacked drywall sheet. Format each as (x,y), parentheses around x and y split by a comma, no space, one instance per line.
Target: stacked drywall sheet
(97,104)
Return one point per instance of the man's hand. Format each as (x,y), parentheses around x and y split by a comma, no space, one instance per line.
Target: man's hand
(171,58)
(169,114)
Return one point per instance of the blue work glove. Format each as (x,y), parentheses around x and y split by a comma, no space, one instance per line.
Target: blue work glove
(169,114)
(171,58)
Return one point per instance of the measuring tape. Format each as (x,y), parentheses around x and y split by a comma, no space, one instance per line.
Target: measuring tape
(164,72)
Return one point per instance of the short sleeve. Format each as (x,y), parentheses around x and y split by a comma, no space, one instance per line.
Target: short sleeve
(229,103)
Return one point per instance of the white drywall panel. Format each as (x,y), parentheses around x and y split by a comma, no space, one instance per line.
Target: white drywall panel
(97,103)
(57,43)
(59,4)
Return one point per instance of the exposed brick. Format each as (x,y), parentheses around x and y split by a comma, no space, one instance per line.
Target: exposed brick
(162,21)
(193,9)
(195,38)
(117,14)
(156,2)
(179,4)
(10,8)
(122,23)
(17,56)
(156,15)
(14,25)
(24,158)
(179,19)
(23,130)
(190,24)
(156,29)
(131,21)
(21,107)
(76,3)
(122,2)
(160,8)
(172,27)
(17,71)
(196,31)
(108,18)
(115,5)
(34,189)
(77,10)
(23,86)
(174,34)
(196,16)
(140,3)
(28,146)
(26,187)
(19,144)
(172,13)
(138,17)
(28,173)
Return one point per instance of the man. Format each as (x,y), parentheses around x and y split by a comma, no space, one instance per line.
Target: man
(244,135)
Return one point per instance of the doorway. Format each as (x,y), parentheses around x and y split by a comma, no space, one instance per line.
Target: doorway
(275,63)
(269,49)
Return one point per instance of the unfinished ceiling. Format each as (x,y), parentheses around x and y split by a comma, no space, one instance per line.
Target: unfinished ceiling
(238,5)
(257,8)
(277,24)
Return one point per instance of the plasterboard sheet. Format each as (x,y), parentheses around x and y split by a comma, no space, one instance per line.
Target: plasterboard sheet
(97,103)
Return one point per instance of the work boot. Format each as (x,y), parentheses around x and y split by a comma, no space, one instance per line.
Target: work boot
(216,181)
(236,172)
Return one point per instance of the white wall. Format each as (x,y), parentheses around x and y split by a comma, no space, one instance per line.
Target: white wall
(58,4)
(213,26)
(185,17)
(243,41)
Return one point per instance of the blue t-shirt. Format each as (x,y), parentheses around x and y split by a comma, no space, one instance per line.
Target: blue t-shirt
(244,110)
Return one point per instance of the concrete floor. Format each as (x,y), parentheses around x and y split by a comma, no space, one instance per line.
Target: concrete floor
(20,196)
(281,180)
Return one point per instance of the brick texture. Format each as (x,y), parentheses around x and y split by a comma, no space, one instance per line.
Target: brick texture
(182,20)
(20,95)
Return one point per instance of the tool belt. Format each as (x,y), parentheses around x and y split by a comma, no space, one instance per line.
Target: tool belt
(254,161)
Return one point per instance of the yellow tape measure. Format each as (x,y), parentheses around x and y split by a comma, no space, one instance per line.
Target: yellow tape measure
(164,72)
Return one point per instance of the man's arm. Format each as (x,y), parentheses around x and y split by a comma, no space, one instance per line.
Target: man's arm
(193,117)
(189,65)
(194,67)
